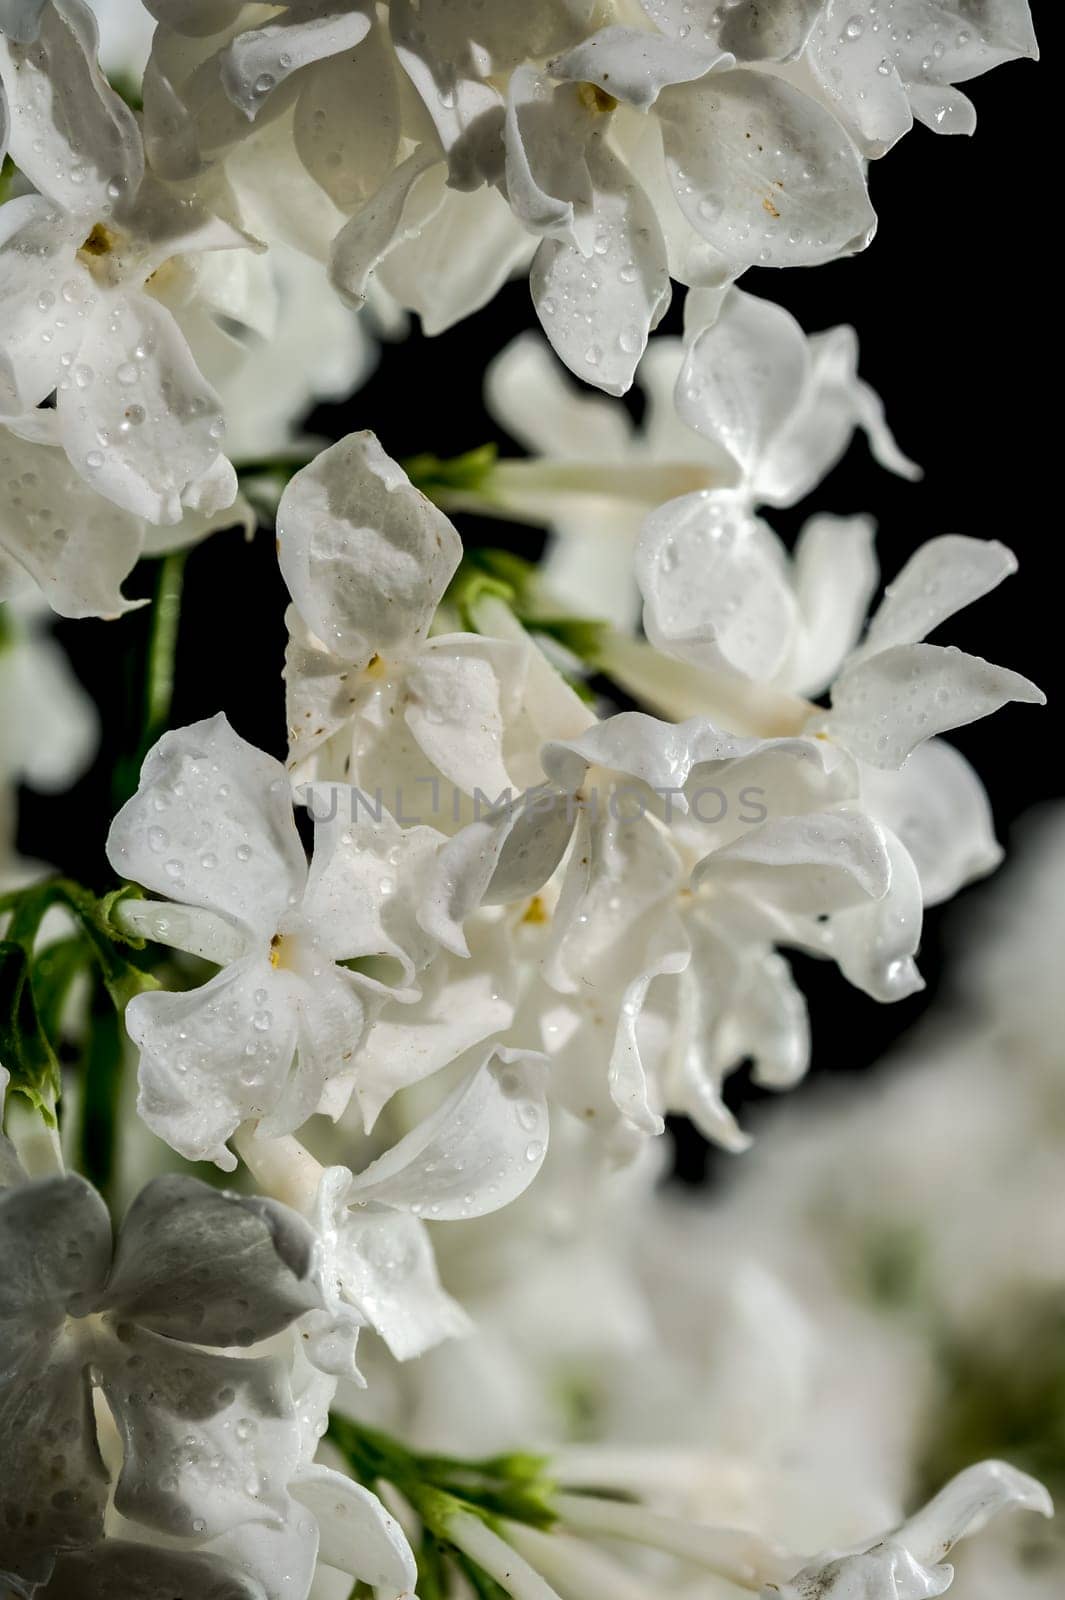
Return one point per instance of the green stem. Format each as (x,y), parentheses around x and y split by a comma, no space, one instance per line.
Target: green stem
(102,1084)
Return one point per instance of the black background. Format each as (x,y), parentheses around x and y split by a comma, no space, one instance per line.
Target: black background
(955,307)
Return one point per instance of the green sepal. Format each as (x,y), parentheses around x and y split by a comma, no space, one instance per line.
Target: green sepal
(437,477)
(24,1047)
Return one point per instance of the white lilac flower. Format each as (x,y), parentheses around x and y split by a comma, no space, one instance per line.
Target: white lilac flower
(212,825)
(632,159)
(748,403)
(86,266)
(481,1148)
(891,62)
(910,1562)
(192,1272)
(326,1531)
(371,698)
(594,474)
(645,842)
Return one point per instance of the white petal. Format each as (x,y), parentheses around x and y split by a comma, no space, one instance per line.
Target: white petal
(738,1002)
(11,1171)
(76,546)
(656,753)
(907,1564)
(546,134)
(860,79)
(210,1268)
(467,31)
(528,391)
(71,135)
(143,1572)
(939,809)
(333,1007)
(318,690)
(200,933)
(464,693)
(620,884)
(633,65)
(886,705)
(358,1536)
(942,576)
(206,1065)
(384,1266)
(462,1003)
(942,110)
(347,125)
(398,211)
(277,1562)
(967,1504)
(668,953)
(21,19)
(41,283)
(478,1151)
(365,881)
(189,1467)
(824,861)
(715,587)
(869,75)
(465,112)
(56,1239)
(260,58)
(597,311)
(53,1484)
(835,574)
(137,419)
(460,257)
(366,556)
(875,944)
(750,29)
(212,824)
(494,860)
(763,172)
(743,377)
(815,436)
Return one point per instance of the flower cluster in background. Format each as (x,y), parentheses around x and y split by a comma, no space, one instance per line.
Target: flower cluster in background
(457,958)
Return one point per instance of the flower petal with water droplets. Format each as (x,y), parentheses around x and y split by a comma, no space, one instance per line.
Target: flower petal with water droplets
(762,172)
(211,824)
(750,29)
(598,310)
(883,707)
(823,861)
(743,377)
(136,417)
(633,65)
(715,586)
(72,543)
(211,1268)
(939,809)
(208,1441)
(365,555)
(71,134)
(942,576)
(258,59)
(214,1057)
(476,1152)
